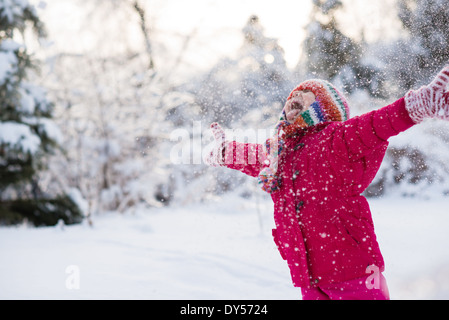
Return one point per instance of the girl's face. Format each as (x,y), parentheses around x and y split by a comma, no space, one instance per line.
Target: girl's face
(300,102)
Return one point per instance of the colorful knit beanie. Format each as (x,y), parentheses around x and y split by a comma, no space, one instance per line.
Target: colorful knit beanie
(330,105)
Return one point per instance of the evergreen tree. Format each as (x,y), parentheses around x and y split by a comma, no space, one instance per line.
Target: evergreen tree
(327,48)
(331,55)
(27,132)
(257,78)
(243,92)
(426,49)
(411,61)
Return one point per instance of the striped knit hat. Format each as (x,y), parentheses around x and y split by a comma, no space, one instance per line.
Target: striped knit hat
(330,105)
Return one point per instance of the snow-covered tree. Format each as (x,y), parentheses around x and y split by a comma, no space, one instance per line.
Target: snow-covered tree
(116,106)
(425,50)
(327,48)
(418,163)
(27,132)
(331,55)
(246,91)
(256,78)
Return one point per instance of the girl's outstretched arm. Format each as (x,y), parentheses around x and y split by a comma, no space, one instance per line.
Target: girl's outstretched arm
(248,158)
(363,134)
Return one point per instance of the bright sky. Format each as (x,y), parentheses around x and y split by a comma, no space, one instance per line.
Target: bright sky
(215,25)
(218,23)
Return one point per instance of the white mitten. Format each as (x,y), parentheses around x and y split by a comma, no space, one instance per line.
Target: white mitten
(430,101)
(214,157)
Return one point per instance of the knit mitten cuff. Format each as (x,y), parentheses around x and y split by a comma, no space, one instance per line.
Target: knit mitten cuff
(415,107)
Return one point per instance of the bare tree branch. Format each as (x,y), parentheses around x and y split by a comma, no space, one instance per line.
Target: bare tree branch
(141,12)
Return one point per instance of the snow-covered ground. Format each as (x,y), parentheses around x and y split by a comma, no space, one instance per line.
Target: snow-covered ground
(219,250)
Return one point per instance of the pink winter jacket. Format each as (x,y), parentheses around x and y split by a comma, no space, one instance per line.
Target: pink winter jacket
(324,229)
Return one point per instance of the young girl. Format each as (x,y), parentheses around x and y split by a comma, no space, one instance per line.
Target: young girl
(316,167)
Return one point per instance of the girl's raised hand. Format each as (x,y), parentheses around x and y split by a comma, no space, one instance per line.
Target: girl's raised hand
(431,101)
(214,157)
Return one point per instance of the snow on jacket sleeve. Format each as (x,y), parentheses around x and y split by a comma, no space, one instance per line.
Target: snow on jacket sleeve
(360,135)
(249,158)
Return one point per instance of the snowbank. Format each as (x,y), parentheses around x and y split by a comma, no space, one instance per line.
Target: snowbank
(219,250)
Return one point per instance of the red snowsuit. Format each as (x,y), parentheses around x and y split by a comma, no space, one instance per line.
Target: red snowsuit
(324,229)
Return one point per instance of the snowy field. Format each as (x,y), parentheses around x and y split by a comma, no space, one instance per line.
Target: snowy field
(219,250)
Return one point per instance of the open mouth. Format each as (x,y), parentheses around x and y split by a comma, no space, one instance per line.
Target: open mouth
(297,105)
